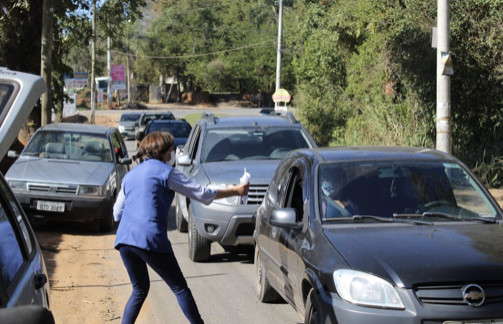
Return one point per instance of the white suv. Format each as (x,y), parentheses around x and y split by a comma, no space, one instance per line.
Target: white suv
(216,154)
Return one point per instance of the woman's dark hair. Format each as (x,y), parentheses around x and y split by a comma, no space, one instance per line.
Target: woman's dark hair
(156,144)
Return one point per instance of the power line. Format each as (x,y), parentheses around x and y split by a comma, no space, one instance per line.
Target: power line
(194,55)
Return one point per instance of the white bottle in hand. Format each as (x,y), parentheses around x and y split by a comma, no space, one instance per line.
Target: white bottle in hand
(244,179)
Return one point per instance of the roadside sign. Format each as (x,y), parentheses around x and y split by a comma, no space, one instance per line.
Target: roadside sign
(281,95)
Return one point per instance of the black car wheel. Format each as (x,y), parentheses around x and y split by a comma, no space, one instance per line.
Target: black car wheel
(181,223)
(265,293)
(313,313)
(199,247)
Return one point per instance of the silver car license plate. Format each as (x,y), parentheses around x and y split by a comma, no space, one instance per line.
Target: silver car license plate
(52,206)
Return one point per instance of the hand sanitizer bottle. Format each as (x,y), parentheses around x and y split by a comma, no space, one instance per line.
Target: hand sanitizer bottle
(244,179)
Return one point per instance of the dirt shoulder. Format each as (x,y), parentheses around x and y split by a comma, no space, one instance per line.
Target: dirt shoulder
(83,274)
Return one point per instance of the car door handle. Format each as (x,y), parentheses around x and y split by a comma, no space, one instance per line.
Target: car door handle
(40,280)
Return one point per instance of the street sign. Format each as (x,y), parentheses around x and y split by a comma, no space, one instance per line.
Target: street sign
(281,95)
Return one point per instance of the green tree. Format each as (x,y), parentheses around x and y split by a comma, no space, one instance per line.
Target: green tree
(221,46)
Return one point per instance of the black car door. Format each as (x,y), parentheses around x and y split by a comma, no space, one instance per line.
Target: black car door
(292,241)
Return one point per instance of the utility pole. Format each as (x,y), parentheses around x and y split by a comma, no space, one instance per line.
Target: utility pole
(93,59)
(46,61)
(444,71)
(278,57)
(128,67)
(109,66)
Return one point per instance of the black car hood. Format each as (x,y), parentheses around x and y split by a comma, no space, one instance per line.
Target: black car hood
(410,254)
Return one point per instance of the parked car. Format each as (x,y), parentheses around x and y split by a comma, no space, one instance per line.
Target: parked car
(380,235)
(71,172)
(179,128)
(146,117)
(23,276)
(217,153)
(127,124)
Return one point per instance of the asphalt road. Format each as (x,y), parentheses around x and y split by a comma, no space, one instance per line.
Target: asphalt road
(224,287)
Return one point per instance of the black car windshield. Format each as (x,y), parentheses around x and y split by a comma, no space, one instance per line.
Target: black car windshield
(145,119)
(69,146)
(252,143)
(176,129)
(429,191)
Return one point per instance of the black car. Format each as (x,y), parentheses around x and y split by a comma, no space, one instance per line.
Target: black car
(380,235)
(147,117)
(179,128)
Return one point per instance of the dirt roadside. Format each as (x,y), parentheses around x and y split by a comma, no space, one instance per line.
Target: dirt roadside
(85,280)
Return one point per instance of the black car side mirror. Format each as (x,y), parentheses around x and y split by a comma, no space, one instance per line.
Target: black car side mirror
(285,218)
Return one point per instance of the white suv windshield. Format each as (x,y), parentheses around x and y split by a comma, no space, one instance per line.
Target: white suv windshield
(251,143)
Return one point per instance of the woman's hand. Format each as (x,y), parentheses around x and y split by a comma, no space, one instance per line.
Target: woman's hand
(237,190)
(242,189)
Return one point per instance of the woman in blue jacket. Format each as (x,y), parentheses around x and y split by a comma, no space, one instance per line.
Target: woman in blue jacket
(142,208)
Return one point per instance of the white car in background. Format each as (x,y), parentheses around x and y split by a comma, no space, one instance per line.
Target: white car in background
(128,123)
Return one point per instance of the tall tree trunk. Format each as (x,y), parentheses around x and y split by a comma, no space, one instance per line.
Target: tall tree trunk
(46,60)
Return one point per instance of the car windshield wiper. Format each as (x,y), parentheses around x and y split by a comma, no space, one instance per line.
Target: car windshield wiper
(391,219)
(448,216)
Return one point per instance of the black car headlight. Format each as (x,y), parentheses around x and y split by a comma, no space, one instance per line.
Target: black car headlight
(364,289)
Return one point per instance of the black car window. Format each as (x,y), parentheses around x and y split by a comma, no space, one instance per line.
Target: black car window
(176,129)
(294,196)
